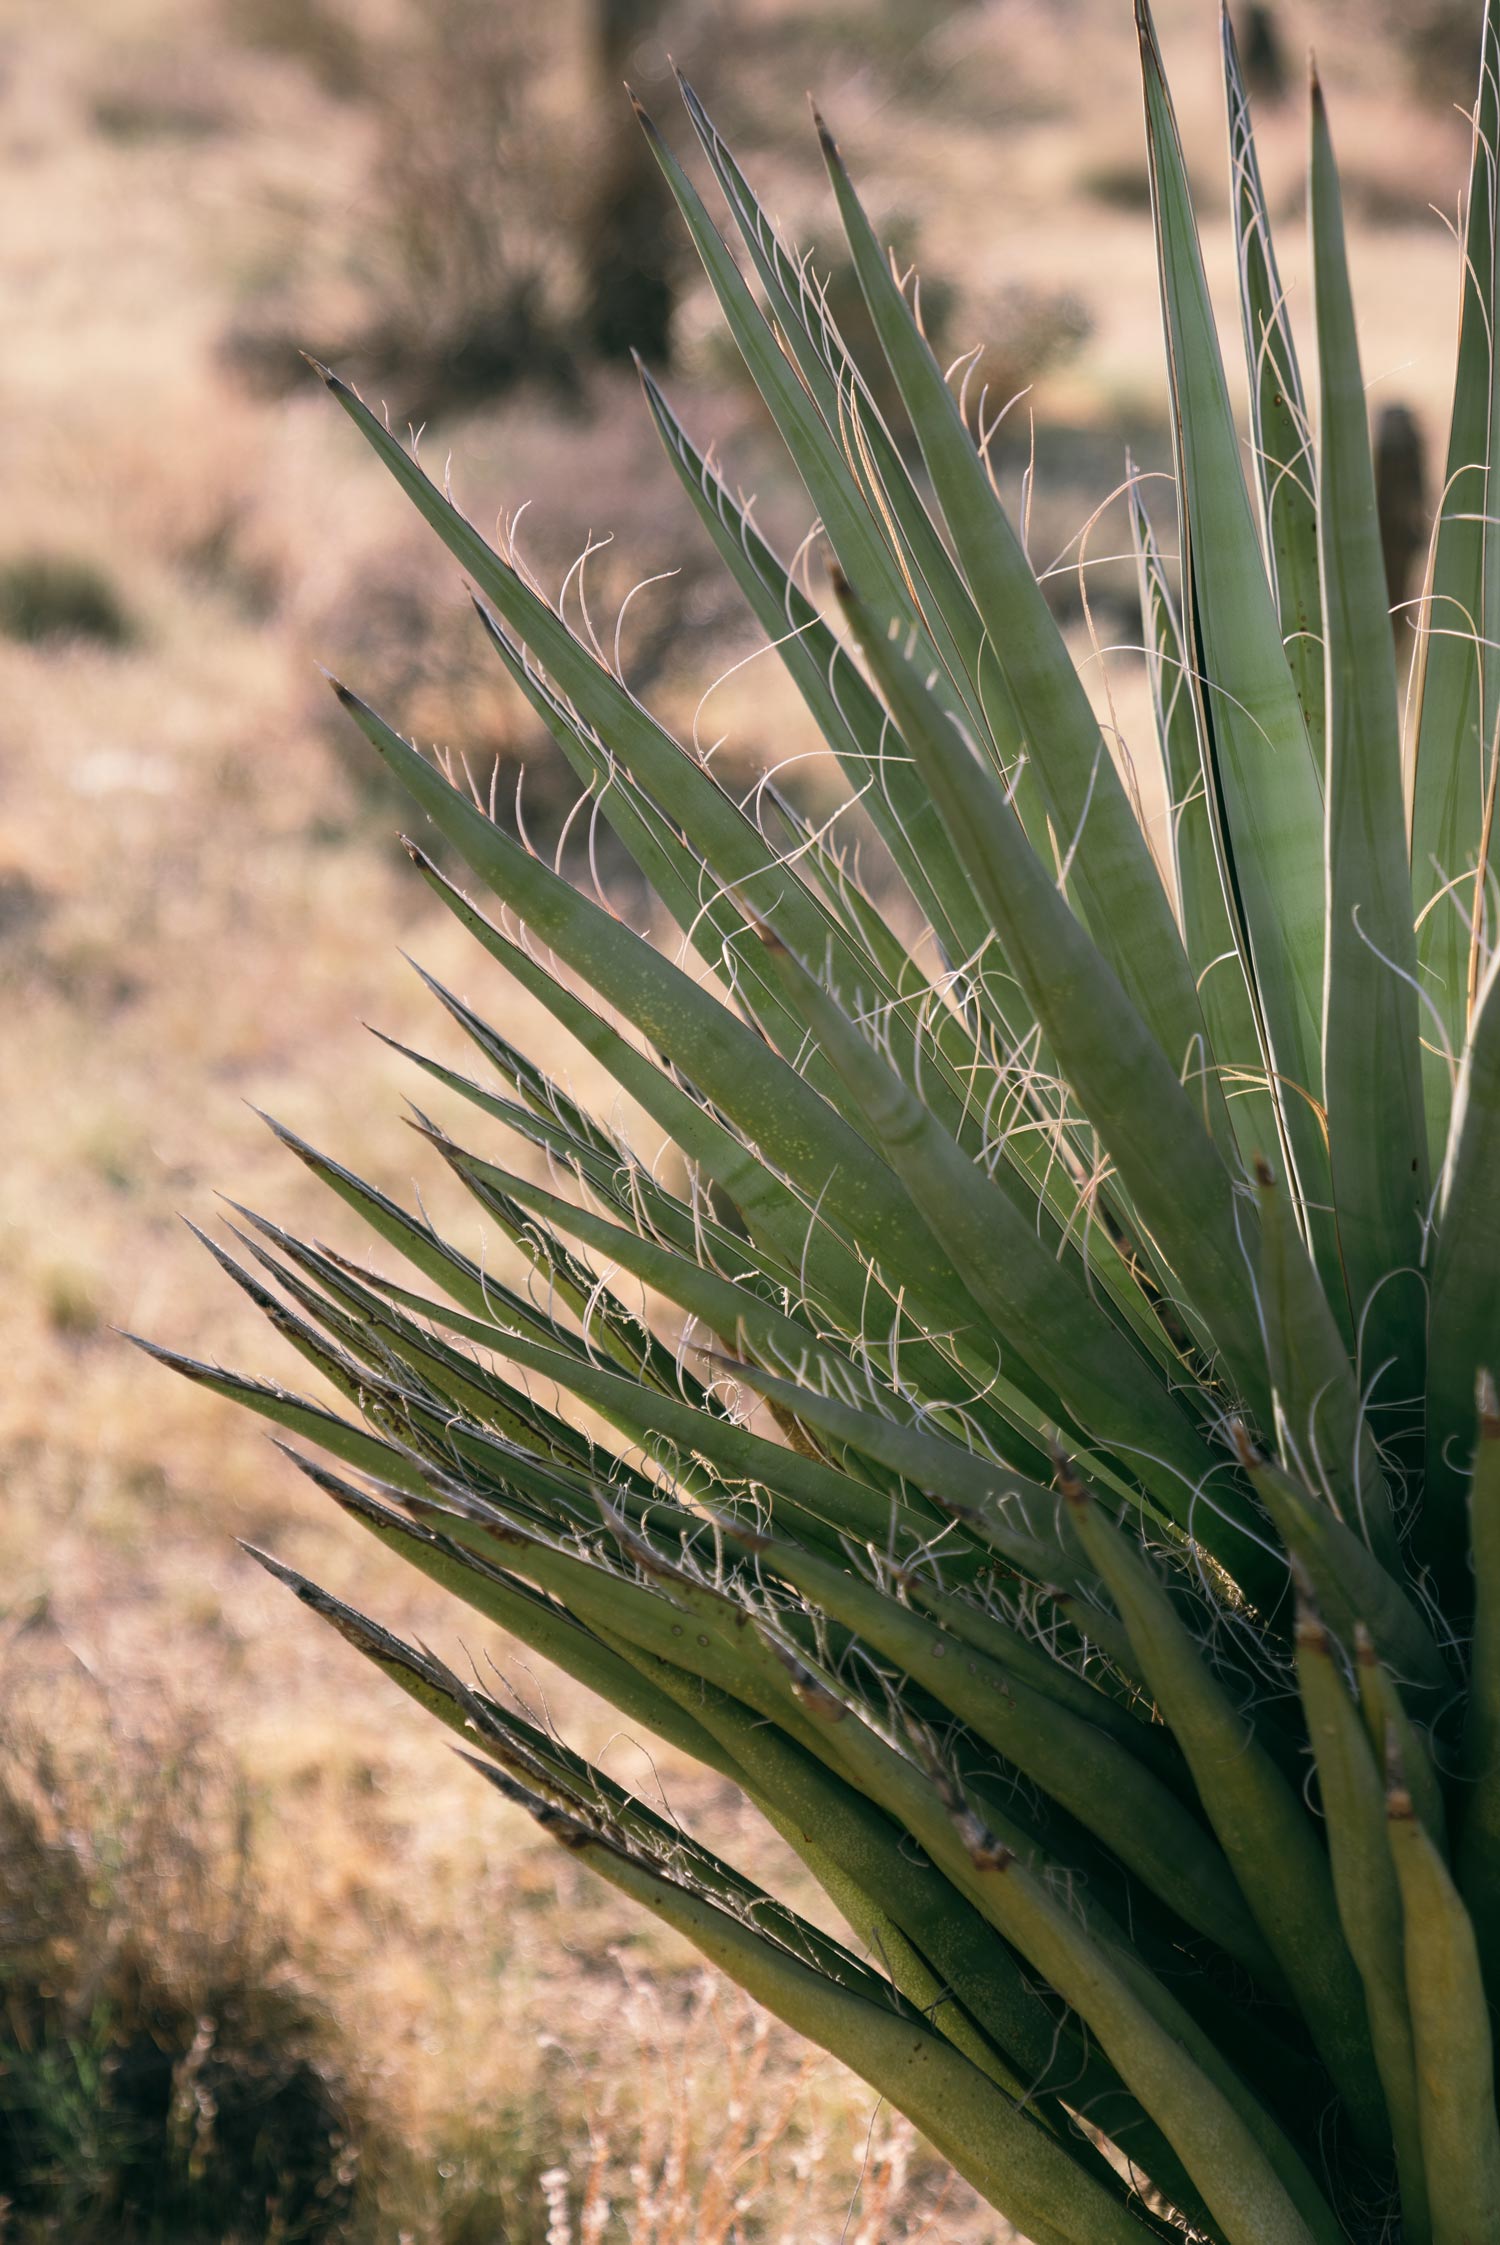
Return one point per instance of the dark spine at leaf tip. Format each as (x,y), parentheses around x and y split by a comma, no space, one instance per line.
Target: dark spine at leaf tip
(283,1573)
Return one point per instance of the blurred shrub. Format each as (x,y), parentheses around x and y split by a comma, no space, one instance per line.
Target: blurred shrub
(158,102)
(1119,182)
(322,39)
(1262,50)
(491,247)
(1030,331)
(1402,497)
(70,1303)
(24,905)
(629,236)
(1435,39)
(1438,37)
(48,596)
(465,182)
(164,2080)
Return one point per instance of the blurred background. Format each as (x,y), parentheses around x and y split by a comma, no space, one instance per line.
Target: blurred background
(272,1966)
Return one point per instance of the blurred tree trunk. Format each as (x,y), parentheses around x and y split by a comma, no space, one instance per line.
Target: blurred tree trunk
(1261,52)
(1401,497)
(629,243)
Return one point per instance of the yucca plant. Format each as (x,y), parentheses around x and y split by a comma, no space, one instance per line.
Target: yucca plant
(1027,1434)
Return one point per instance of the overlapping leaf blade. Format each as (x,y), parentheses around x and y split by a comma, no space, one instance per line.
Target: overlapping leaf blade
(1457,692)
(1377,1126)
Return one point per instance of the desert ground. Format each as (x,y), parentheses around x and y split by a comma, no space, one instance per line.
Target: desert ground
(202,900)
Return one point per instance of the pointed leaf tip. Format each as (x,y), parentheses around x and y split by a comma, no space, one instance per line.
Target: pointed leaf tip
(279,1130)
(555,1822)
(299,1584)
(153,1349)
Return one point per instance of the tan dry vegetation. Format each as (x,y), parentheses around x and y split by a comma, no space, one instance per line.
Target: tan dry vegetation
(199,901)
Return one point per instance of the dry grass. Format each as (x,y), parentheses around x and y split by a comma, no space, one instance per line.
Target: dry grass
(171,2067)
(199,902)
(164,2069)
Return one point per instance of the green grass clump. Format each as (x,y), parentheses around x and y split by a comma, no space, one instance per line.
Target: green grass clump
(1035,1436)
